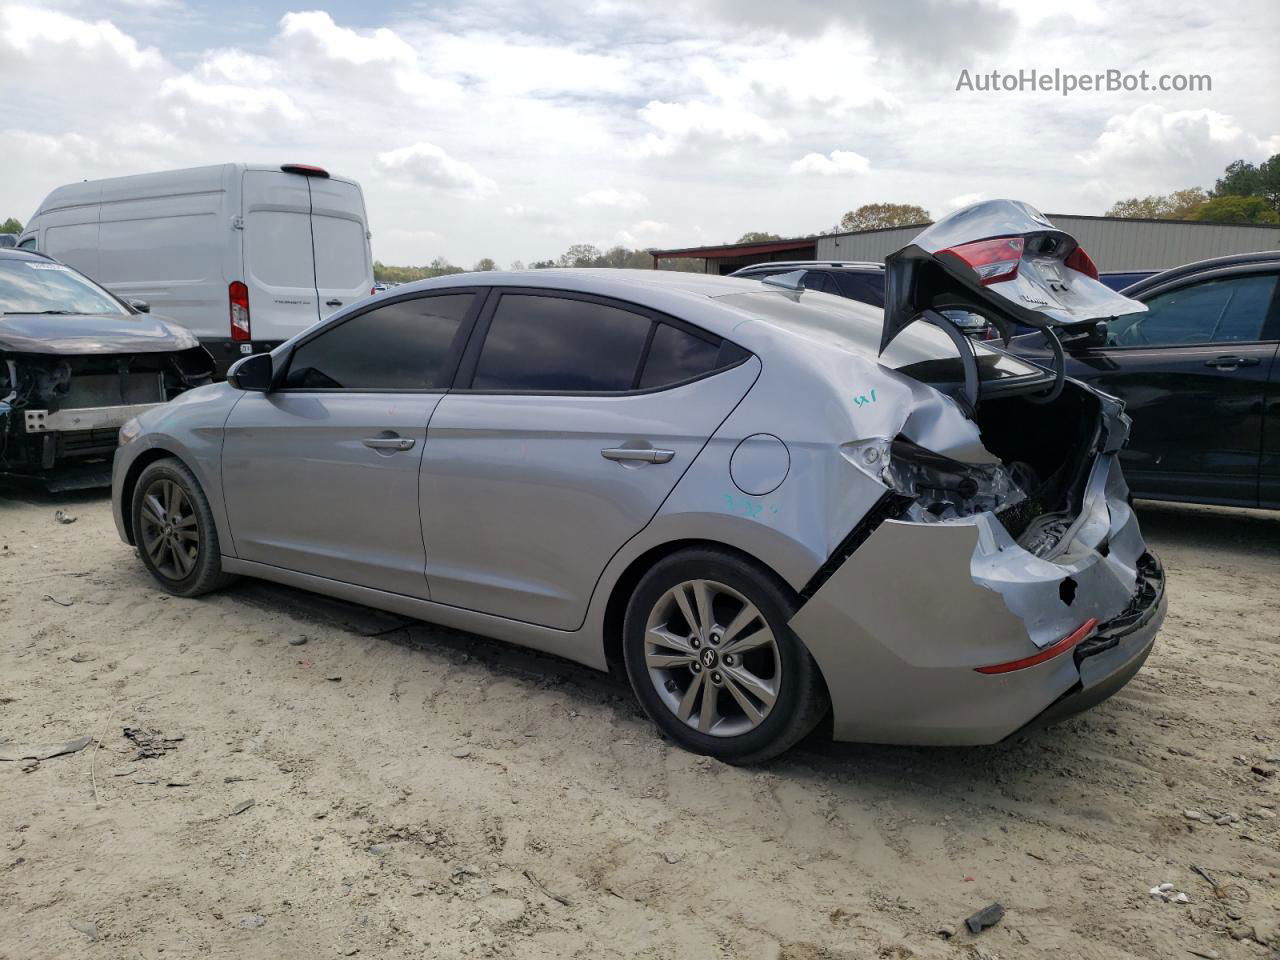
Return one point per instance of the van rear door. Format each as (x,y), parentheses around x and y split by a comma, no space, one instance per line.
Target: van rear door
(340,238)
(279,267)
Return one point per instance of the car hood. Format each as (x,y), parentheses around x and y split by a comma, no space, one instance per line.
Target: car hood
(92,333)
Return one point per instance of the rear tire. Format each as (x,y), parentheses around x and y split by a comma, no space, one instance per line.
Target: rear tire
(174,530)
(712,660)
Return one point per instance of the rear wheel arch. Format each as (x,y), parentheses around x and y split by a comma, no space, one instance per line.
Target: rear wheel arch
(791,697)
(625,585)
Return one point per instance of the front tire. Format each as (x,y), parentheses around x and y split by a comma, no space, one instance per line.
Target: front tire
(713,662)
(174,531)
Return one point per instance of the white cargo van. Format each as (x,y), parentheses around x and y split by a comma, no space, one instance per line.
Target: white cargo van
(244,255)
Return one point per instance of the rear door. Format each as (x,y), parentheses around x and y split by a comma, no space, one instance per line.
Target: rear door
(340,238)
(1193,372)
(572,420)
(321,475)
(279,266)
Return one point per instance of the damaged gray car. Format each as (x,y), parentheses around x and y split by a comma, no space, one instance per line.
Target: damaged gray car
(766,504)
(76,362)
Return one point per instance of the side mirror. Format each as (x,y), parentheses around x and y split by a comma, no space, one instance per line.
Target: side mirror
(1095,335)
(252,373)
(140,305)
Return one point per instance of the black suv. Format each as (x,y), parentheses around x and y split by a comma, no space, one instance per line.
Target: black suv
(857,281)
(1199,375)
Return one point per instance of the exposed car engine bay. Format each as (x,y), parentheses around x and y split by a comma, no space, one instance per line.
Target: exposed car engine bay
(58,407)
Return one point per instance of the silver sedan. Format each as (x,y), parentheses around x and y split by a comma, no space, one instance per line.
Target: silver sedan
(769,505)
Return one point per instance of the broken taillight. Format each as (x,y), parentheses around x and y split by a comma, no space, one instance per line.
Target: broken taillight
(239,296)
(992,260)
(1083,263)
(1069,642)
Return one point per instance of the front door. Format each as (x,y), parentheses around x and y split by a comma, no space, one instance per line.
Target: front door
(575,419)
(321,475)
(1193,373)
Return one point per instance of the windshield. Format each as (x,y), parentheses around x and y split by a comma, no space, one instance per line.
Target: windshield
(922,350)
(40,286)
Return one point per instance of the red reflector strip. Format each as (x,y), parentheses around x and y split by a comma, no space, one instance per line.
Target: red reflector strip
(306,169)
(1048,653)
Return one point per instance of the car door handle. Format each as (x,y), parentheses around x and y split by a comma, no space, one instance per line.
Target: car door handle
(642,454)
(1231,363)
(389,443)
(333,303)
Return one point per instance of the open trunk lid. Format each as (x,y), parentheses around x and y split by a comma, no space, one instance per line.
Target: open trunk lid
(1003,260)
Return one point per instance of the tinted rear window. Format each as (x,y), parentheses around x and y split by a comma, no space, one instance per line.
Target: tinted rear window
(556,344)
(675,355)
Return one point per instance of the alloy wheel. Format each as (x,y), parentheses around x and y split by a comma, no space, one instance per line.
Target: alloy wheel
(712,658)
(170,533)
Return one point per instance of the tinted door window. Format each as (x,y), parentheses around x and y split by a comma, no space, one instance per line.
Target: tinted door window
(867,287)
(401,346)
(1230,310)
(560,345)
(815,280)
(675,355)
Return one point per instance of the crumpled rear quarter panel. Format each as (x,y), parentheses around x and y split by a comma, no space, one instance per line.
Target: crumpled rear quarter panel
(900,627)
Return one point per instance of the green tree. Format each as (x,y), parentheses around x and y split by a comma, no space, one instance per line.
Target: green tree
(757,236)
(437,268)
(485,263)
(1243,179)
(1230,209)
(1179,205)
(1269,181)
(579,255)
(12,225)
(1240,179)
(876,216)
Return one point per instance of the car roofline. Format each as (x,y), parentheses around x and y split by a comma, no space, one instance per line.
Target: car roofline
(816,264)
(1173,274)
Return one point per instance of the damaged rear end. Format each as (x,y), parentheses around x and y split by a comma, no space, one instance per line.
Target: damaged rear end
(1001,580)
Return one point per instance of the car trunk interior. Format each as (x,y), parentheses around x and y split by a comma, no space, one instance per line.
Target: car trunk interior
(1056,442)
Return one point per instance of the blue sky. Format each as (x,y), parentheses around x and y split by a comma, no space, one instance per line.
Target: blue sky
(513,129)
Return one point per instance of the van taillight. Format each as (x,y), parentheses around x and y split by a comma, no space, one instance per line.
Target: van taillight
(239,295)
(1081,261)
(992,260)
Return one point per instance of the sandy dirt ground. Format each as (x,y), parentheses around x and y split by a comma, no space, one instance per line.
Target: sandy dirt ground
(392,790)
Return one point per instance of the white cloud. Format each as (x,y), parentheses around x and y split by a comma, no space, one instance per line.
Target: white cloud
(641,234)
(703,114)
(518,211)
(427,165)
(37,35)
(649,227)
(370,58)
(619,199)
(963,200)
(836,163)
(214,102)
(1167,149)
(317,30)
(693,123)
